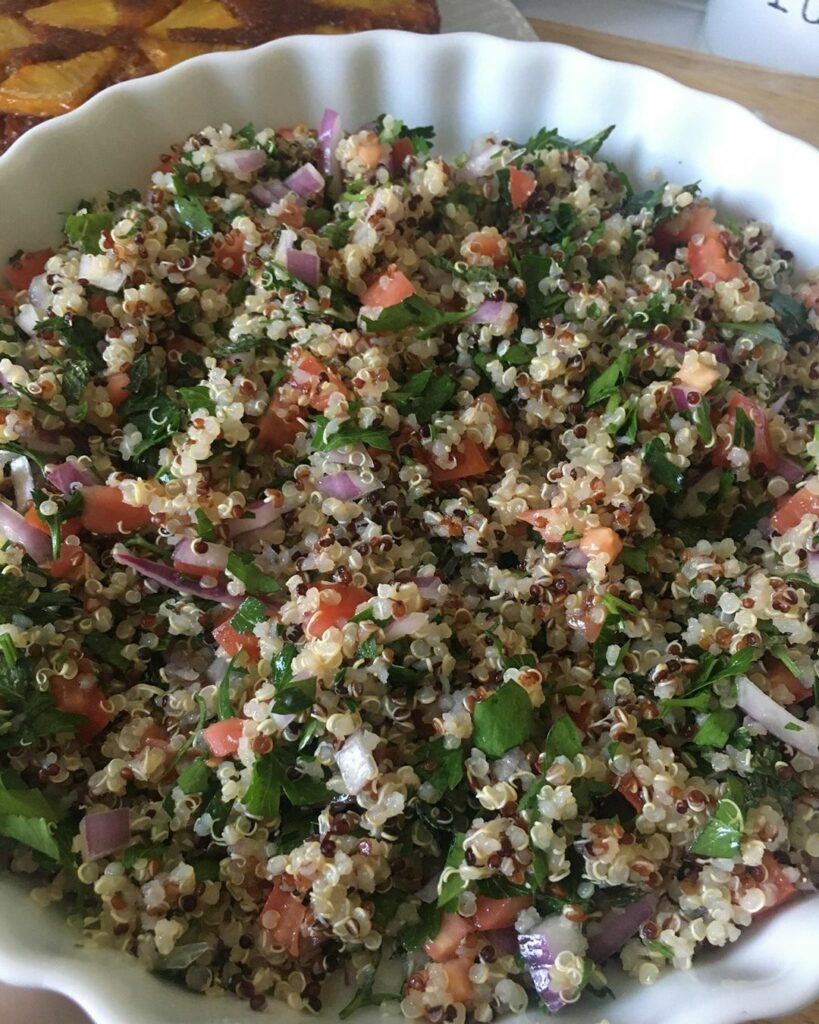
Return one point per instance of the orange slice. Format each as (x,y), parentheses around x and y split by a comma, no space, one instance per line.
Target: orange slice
(87,15)
(14,34)
(207,14)
(53,87)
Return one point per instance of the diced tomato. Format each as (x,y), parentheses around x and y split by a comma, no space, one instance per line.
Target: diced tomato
(542,521)
(457,977)
(20,272)
(229,252)
(279,425)
(697,219)
(601,540)
(232,642)
(491,914)
(486,243)
(370,151)
(7,297)
(710,258)
(390,287)
(451,933)
(628,786)
(521,186)
(763,451)
(97,304)
(287,930)
(401,149)
(810,299)
(116,384)
(778,675)
(791,509)
(70,527)
(584,618)
(67,566)
(291,214)
(223,737)
(82,696)
(312,376)
(330,615)
(104,510)
(777,887)
(470,460)
(502,424)
(155,737)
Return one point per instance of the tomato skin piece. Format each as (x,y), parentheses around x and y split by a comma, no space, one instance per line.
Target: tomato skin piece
(451,933)
(710,257)
(470,460)
(329,616)
(229,253)
(116,384)
(68,528)
(697,219)
(778,675)
(794,507)
(496,914)
(763,451)
(77,696)
(502,424)
(457,977)
(777,888)
(601,540)
(223,737)
(279,424)
(390,287)
(311,374)
(287,930)
(401,149)
(233,642)
(521,185)
(21,272)
(7,297)
(628,787)
(105,511)
(67,566)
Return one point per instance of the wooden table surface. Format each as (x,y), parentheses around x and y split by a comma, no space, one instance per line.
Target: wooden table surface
(789,102)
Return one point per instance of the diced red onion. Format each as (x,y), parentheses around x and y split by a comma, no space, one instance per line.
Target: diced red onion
(27,319)
(503,940)
(22,481)
(306,266)
(405,626)
(575,558)
(101,272)
(213,556)
(721,351)
(676,346)
(167,577)
(352,458)
(104,832)
(36,542)
(262,513)
(540,948)
(791,470)
(492,312)
(306,181)
(813,565)
(487,158)
(356,762)
(266,193)
(329,136)
(241,161)
(287,239)
(766,712)
(618,926)
(39,293)
(66,477)
(780,403)
(426,583)
(680,396)
(342,485)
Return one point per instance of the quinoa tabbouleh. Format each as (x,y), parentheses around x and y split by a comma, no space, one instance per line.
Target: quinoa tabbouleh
(408,556)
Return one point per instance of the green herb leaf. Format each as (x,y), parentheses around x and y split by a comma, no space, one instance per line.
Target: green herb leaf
(414,936)
(195,777)
(635,559)
(193,215)
(563,740)
(744,431)
(792,314)
(33,832)
(224,705)
(263,797)
(242,564)
(722,836)
(84,229)
(198,398)
(663,471)
(348,433)
(441,766)
(608,382)
(424,394)
(452,883)
(533,269)
(414,312)
(750,330)
(503,720)
(249,614)
(108,649)
(716,729)
(702,421)
(294,696)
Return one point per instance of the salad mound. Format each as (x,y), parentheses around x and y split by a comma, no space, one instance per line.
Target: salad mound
(408,556)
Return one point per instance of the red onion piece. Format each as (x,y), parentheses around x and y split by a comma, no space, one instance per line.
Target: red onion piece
(618,926)
(499,314)
(104,832)
(27,319)
(101,272)
(343,486)
(504,940)
(356,762)
(780,403)
(425,583)
(258,514)
(307,181)
(241,161)
(329,136)
(36,542)
(680,396)
(540,948)
(575,559)
(167,577)
(351,458)
(791,470)
(764,710)
(813,565)
(306,266)
(66,477)
(22,481)
(214,556)
(266,193)
(39,292)
(676,346)
(405,626)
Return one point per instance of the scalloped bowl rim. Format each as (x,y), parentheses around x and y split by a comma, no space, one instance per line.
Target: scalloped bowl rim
(749,979)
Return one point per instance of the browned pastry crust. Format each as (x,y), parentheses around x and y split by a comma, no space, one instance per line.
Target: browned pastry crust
(54,55)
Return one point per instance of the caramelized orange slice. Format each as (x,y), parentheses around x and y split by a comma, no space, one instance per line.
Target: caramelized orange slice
(164,53)
(190,14)
(44,90)
(14,34)
(87,15)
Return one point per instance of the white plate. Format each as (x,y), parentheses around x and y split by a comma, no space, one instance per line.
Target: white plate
(464,84)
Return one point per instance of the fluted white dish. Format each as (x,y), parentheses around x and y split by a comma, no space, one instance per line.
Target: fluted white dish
(464,84)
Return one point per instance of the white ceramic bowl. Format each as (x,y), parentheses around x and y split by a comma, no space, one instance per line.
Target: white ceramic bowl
(464,84)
